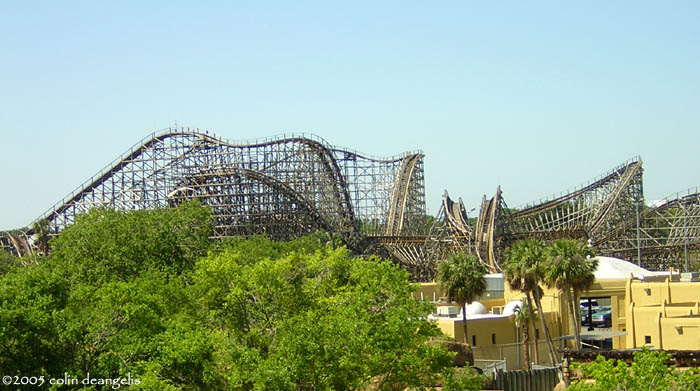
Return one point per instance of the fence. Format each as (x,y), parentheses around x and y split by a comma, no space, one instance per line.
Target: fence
(490,367)
(513,353)
(544,379)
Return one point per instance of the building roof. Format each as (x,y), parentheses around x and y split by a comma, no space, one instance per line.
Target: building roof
(609,267)
(475,308)
(598,335)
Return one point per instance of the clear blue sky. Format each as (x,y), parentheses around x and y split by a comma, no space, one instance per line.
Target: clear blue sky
(535,96)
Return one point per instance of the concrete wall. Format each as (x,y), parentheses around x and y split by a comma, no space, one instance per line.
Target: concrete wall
(663,314)
(680,333)
(481,329)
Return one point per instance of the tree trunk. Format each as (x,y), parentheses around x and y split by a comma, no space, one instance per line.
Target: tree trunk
(552,353)
(526,346)
(464,322)
(577,309)
(534,326)
(577,337)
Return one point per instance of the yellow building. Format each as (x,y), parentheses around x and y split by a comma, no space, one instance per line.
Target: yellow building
(635,307)
(664,313)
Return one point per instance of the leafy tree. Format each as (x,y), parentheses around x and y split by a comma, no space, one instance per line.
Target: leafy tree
(461,276)
(108,245)
(29,298)
(146,293)
(648,371)
(571,267)
(524,268)
(101,299)
(7,262)
(464,381)
(137,326)
(321,320)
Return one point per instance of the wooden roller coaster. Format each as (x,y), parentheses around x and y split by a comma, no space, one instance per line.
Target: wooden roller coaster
(291,185)
(283,187)
(609,212)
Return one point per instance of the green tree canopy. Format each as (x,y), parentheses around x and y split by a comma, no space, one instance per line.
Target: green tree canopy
(146,293)
(108,245)
(316,320)
(648,372)
(7,262)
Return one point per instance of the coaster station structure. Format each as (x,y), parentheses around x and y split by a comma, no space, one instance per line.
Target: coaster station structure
(282,186)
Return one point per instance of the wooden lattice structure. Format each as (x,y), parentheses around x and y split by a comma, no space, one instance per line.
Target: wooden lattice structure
(590,212)
(667,236)
(291,185)
(283,186)
(608,212)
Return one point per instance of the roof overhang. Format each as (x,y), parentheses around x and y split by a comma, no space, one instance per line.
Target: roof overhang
(598,335)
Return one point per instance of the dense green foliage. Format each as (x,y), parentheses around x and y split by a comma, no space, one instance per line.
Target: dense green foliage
(648,372)
(7,262)
(146,293)
(114,284)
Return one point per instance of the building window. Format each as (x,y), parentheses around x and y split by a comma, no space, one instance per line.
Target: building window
(493,339)
(473,340)
(537,334)
(647,339)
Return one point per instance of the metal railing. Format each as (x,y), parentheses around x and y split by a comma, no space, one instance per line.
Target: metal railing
(491,367)
(563,194)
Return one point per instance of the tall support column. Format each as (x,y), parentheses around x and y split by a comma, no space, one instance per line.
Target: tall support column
(639,197)
(639,239)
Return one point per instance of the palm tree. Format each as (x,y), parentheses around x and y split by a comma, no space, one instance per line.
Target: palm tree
(571,267)
(461,277)
(41,231)
(523,317)
(523,268)
(533,324)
